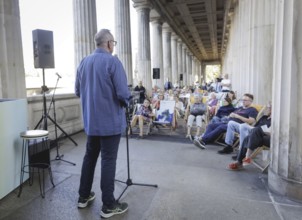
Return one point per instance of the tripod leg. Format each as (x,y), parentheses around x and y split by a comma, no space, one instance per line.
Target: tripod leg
(75,143)
(39,123)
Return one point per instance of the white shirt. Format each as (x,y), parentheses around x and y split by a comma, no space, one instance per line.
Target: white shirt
(226,81)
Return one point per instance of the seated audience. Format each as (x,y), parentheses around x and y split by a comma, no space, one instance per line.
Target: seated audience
(244,114)
(143,114)
(194,111)
(243,130)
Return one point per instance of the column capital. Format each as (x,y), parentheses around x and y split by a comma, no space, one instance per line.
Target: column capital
(166,28)
(142,4)
(156,20)
(174,36)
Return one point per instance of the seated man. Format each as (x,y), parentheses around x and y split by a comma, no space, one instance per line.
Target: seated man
(255,139)
(244,129)
(244,114)
(196,111)
(144,113)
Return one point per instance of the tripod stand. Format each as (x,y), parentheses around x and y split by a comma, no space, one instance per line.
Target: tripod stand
(58,156)
(46,116)
(129,182)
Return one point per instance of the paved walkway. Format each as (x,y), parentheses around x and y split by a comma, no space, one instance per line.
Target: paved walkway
(192,184)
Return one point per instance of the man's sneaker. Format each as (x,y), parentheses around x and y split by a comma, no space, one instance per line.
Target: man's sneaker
(199,144)
(83,202)
(226,150)
(117,209)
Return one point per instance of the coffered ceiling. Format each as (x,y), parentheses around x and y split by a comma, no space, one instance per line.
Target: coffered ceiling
(202,24)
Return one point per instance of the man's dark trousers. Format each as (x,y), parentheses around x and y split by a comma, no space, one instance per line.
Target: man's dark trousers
(108,146)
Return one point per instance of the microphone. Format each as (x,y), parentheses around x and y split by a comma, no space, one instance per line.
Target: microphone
(58,75)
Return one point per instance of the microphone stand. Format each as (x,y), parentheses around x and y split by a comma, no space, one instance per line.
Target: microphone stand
(58,156)
(129,182)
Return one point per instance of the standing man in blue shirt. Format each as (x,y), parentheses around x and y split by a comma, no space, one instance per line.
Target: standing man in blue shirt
(101,83)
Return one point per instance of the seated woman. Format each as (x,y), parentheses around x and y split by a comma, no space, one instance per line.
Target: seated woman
(212,103)
(223,112)
(196,111)
(143,114)
(231,94)
(156,102)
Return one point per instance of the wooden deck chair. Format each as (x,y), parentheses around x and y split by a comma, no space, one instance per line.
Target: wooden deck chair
(147,125)
(261,163)
(164,116)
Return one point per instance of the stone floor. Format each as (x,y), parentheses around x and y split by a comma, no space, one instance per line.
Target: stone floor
(192,184)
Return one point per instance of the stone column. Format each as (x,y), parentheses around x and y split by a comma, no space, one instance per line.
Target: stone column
(188,68)
(179,61)
(143,8)
(12,75)
(123,36)
(167,52)
(157,50)
(285,172)
(85,27)
(174,58)
(261,52)
(184,64)
(194,72)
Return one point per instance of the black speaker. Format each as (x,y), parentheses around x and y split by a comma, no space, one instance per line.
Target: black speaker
(156,73)
(181,77)
(43,49)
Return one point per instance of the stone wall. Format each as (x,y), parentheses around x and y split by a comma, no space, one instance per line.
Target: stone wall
(68,113)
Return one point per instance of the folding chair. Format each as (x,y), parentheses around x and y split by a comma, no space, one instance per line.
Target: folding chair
(164,116)
(147,125)
(263,163)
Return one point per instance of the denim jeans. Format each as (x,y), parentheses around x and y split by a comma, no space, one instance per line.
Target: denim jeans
(256,138)
(108,146)
(243,130)
(213,131)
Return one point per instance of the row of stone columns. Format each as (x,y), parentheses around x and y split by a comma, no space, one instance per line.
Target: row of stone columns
(169,54)
(166,45)
(249,57)
(263,57)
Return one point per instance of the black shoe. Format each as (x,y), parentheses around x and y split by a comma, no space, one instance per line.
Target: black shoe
(199,143)
(117,209)
(83,202)
(226,150)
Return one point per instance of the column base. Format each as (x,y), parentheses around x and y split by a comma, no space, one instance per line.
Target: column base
(285,187)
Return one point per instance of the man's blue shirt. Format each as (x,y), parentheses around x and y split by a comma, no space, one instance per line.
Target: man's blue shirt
(101,83)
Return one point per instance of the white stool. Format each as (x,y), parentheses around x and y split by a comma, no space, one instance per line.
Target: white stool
(38,157)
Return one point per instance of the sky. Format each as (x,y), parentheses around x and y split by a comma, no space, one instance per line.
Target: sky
(57,16)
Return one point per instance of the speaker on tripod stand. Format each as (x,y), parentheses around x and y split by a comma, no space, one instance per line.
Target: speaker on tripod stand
(44,58)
